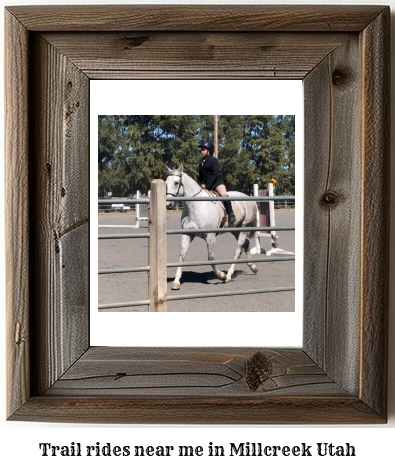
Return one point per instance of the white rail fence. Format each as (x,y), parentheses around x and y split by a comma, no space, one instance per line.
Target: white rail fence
(157,255)
(125,205)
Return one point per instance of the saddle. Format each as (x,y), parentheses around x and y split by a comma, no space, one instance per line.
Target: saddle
(214,192)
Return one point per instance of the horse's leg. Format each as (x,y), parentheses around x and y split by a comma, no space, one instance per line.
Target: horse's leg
(241,238)
(185,242)
(246,248)
(242,244)
(210,240)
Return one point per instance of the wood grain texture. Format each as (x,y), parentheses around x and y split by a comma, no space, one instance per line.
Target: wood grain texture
(376,200)
(60,213)
(123,385)
(333,223)
(213,372)
(157,256)
(198,410)
(196,17)
(196,55)
(339,376)
(17,213)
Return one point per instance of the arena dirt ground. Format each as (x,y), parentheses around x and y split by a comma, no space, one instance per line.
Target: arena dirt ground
(123,253)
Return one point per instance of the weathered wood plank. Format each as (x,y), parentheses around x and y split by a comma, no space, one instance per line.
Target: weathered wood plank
(344,180)
(196,17)
(198,410)
(376,211)
(231,55)
(317,115)
(60,211)
(333,192)
(73,270)
(17,212)
(207,372)
(157,256)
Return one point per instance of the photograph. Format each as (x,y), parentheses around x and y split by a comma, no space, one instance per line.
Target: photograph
(218,157)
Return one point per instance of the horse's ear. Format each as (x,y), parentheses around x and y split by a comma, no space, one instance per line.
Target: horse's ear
(168,169)
(181,169)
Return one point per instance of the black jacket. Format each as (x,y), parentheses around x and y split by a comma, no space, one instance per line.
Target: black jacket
(210,173)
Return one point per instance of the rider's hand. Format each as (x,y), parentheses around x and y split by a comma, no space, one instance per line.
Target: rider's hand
(203,186)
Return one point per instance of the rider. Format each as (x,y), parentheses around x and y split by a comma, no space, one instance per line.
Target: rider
(210,175)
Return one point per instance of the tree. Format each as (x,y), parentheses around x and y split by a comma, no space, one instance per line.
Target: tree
(134,150)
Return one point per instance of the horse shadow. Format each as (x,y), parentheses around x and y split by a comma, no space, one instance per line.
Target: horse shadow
(193,277)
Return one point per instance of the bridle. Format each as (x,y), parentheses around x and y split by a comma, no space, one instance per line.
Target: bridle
(179,186)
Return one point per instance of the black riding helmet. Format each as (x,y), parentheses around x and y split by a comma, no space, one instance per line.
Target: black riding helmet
(207,145)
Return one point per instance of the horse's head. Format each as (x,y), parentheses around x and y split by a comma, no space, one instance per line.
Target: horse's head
(174,185)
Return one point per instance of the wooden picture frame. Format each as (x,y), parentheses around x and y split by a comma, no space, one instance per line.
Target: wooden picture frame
(340,374)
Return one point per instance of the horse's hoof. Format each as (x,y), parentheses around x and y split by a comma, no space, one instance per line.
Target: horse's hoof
(228,280)
(221,276)
(254,268)
(175,286)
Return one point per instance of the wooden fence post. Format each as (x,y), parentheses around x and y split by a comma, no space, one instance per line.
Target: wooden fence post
(157,279)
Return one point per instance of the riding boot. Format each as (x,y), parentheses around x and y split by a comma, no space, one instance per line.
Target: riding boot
(229,210)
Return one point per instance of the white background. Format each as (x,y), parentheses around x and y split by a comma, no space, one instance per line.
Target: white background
(19,441)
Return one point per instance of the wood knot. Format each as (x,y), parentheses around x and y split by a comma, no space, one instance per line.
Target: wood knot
(259,369)
(340,77)
(133,42)
(120,375)
(330,199)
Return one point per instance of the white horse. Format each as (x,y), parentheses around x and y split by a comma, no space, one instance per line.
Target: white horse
(208,215)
